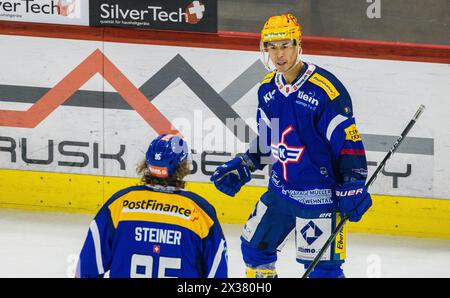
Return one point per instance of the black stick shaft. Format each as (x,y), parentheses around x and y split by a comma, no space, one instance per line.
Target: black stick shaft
(369,182)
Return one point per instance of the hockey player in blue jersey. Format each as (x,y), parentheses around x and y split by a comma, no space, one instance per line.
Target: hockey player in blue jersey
(157,229)
(307,132)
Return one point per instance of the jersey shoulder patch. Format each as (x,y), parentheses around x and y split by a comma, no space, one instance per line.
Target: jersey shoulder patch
(201,202)
(321,81)
(268,78)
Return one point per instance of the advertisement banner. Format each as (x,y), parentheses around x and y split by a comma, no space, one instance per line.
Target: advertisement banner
(99,104)
(180,15)
(66,12)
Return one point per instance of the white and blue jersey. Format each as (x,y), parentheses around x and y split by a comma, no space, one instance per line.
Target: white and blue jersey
(308,129)
(143,232)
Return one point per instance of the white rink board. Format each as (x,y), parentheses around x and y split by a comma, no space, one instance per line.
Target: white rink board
(385,96)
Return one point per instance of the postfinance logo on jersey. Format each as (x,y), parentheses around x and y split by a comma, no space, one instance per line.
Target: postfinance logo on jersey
(163,208)
(325,84)
(153,206)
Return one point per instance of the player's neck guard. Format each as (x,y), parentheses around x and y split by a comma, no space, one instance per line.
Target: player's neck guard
(287,89)
(167,189)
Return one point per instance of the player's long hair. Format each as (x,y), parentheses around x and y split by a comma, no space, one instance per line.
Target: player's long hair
(175,181)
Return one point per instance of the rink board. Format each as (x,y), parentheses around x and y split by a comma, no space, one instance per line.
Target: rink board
(76,117)
(407,216)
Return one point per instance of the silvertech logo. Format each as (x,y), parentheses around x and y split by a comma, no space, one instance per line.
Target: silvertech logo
(194,12)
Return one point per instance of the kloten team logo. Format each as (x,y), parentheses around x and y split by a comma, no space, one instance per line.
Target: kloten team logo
(285,154)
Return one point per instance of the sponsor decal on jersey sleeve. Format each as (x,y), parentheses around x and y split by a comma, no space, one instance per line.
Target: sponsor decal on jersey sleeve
(268,78)
(325,84)
(352,134)
(360,171)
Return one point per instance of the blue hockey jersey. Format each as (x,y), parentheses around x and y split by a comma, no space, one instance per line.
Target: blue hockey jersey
(143,232)
(308,129)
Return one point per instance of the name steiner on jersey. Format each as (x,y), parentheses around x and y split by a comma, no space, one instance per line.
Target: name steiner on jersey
(157,235)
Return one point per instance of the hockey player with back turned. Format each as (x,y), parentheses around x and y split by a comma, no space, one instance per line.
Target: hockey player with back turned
(157,229)
(307,131)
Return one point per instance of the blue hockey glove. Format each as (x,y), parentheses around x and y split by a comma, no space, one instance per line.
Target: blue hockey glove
(231,176)
(354,200)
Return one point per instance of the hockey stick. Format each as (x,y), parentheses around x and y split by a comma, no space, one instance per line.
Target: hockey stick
(368,184)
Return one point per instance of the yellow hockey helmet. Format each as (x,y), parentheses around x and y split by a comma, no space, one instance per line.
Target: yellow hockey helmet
(281,27)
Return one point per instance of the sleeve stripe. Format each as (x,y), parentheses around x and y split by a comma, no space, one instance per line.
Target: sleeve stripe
(98,250)
(217,259)
(359,152)
(333,124)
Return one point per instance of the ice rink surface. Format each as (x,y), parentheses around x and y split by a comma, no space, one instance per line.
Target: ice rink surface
(46,244)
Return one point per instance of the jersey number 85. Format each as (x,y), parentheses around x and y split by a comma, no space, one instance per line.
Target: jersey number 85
(146,265)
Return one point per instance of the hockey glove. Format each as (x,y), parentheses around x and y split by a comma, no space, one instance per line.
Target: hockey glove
(354,200)
(231,176)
